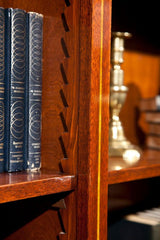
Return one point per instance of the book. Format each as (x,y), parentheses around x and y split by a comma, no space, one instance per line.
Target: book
(154,128)
(33,91)
(153,117)
(153,142)
(134,226)
(2,53)
(150,104)
(152,214)
(15,74)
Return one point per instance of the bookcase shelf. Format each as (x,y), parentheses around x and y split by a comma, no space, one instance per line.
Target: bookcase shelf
(23,185)
(148,166)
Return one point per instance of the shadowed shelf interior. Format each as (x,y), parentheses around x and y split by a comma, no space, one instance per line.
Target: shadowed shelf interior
(134,185)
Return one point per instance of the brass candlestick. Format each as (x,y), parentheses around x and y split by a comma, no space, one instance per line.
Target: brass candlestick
(118,144)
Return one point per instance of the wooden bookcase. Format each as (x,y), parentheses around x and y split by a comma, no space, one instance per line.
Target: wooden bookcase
(71,196)
(67,199)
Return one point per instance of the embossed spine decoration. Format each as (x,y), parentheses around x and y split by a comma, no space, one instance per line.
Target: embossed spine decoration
(15,43)
(2,25)
(33,91)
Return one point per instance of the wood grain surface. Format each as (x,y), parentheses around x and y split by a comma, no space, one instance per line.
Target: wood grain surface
(95,20)
(147,167)
(22,185)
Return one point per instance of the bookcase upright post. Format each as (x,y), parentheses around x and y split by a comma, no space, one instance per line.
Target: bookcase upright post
(95,24)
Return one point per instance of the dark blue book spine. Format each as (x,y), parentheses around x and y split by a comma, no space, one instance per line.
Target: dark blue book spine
(15,44)
(2,54)
(33,90)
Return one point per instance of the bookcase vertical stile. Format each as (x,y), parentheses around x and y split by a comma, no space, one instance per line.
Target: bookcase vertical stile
(95,19)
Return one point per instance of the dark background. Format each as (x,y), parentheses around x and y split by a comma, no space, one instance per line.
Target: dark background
(142,19)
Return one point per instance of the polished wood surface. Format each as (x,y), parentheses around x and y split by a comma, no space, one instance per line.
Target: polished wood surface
(95,18)
(22,185)
(141,76)
(147,167)
(141,68)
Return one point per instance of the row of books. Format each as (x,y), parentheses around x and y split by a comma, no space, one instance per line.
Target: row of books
(21,36)
(143,225)
(151,108)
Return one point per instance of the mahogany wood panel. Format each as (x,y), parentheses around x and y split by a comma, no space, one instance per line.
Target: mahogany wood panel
(41,228)
(70,87)
(63,236)
(69,217)
(142,70)
(141,75)
(21,185)
(147,167)
(42,223)
(93,119)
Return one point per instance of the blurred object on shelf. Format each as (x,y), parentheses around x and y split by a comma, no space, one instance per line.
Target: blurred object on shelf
(143,225)
(150,104)
(118,143)
(151,109)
